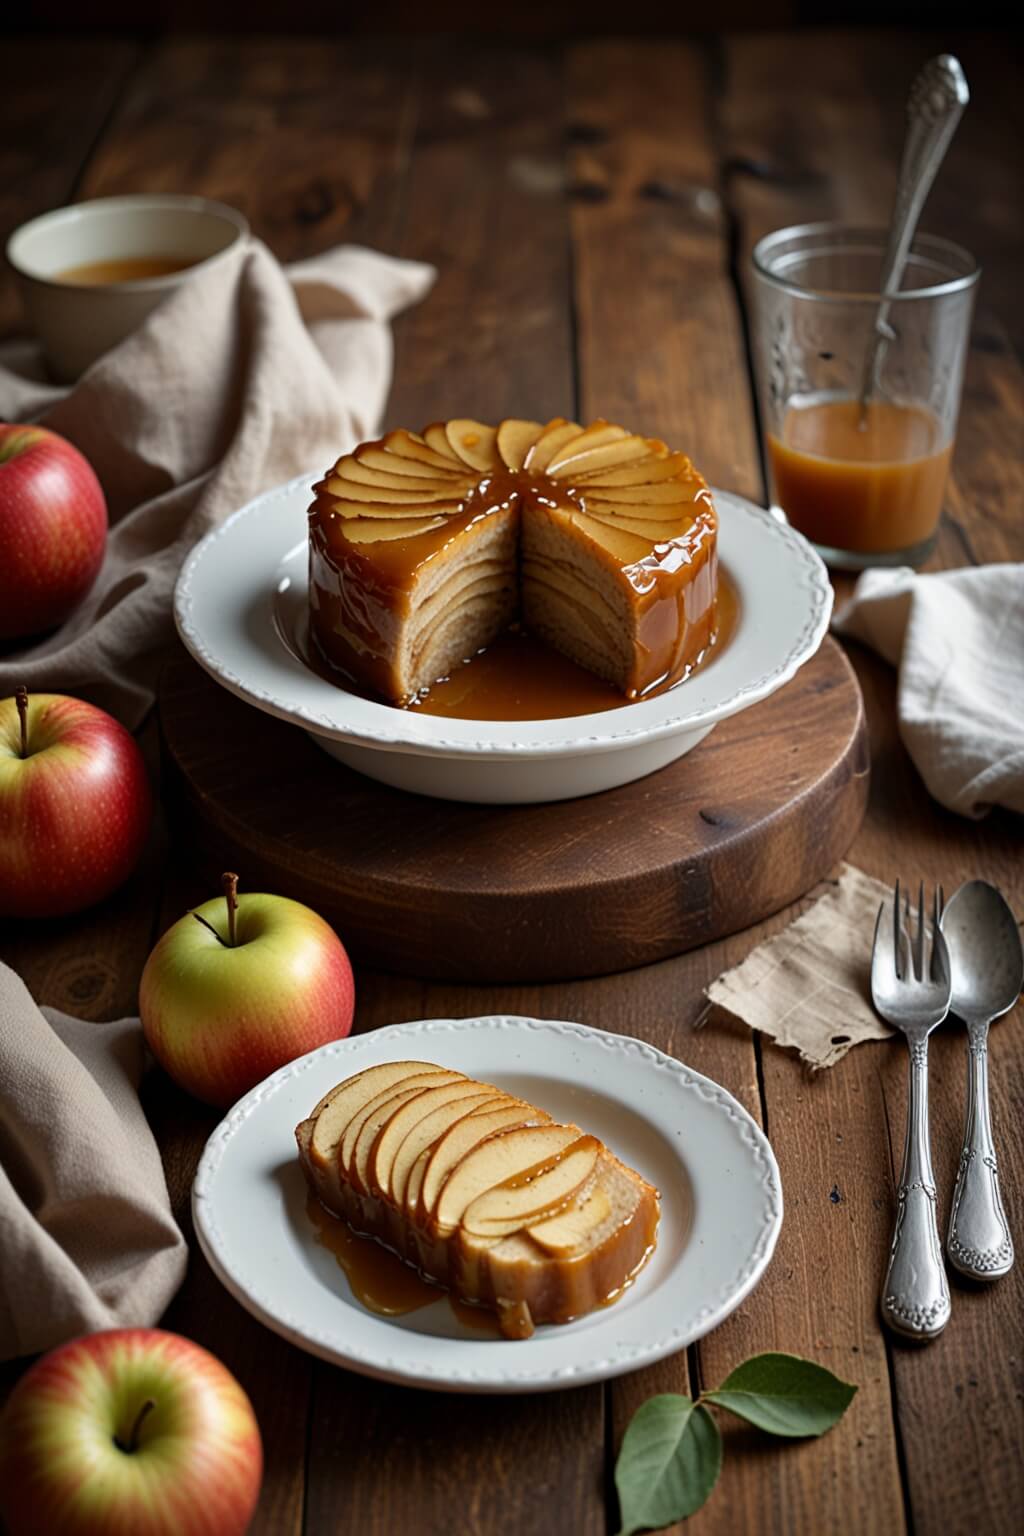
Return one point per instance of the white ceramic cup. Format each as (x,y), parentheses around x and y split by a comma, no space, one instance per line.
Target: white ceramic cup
(77,323)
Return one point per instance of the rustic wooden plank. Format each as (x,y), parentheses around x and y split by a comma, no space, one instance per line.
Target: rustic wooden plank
(484,202)
(661,344)
(308,137)
(57,96)
(830,150)
(659,338)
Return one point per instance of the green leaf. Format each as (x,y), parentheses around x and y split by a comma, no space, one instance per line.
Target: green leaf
(669,1462)
(784,1395)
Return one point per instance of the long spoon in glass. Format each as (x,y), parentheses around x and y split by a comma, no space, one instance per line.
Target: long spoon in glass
(934,107)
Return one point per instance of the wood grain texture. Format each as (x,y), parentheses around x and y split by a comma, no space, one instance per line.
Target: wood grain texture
(485,203)
(740,827)
(831,151)
(308,138)
(658,333)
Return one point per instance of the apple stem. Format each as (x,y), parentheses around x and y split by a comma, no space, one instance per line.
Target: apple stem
(229,883)
(21,699)
(133,1437)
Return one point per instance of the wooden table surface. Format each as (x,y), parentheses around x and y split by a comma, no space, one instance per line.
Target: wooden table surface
(591,211)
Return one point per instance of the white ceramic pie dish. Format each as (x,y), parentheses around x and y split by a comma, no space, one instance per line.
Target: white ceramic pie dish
(721,1206)
(240,608)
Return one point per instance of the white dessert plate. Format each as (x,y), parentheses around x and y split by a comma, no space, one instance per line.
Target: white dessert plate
(241,609)
(721,1206)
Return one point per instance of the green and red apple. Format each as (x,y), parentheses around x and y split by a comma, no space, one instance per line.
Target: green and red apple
(53,529)
(132,1432)
(75,804)
(239,987)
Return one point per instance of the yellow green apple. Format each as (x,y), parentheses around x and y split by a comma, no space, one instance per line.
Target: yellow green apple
(240,986)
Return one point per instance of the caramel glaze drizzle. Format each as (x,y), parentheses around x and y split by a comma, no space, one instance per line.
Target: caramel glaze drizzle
(355,595)
(390,1285)
(424,1264)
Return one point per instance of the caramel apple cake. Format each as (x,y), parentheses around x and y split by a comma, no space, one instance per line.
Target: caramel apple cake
(424,546)
(480,1191)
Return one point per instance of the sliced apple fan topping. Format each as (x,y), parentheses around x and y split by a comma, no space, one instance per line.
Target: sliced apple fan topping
(458,1156)
(409,483)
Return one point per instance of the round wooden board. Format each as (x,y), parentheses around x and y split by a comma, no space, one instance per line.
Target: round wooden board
(741,826)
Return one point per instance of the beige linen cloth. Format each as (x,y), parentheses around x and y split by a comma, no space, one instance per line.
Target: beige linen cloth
(87,1239)
(810,986)
(247,375)
(957,638)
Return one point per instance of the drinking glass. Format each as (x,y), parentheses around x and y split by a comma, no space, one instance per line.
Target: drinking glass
(864,482)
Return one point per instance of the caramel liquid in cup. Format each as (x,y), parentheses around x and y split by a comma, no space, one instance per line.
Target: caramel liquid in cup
(868,488)
(130,269)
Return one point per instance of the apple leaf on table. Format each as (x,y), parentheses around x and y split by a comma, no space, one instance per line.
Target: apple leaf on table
(669,1462)
(671,1452)
(784,1395)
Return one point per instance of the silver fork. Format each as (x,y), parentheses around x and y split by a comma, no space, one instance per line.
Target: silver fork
(912,994)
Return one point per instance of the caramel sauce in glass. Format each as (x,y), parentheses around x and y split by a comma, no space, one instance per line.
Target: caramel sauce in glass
(128,269)
(871,487)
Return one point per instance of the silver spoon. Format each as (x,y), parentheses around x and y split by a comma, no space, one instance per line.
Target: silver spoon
(934,107)
(987,967)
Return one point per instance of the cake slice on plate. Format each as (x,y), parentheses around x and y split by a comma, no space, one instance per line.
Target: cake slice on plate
(480,1191)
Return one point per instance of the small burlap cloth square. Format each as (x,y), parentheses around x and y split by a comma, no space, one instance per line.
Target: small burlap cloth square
(809,987)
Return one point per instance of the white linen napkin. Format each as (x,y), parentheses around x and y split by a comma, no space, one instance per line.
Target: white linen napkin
(247,375)
(957,638)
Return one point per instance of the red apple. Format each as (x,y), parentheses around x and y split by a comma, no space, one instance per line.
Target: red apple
(75,804)
(53,529)
(135,1432)
(239,987)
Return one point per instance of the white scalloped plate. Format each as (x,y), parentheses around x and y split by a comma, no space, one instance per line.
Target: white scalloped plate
(721,1206)
(241,609)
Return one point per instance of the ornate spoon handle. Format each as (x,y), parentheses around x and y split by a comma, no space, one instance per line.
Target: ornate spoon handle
(979,1242)
(915,1296)
(936,101)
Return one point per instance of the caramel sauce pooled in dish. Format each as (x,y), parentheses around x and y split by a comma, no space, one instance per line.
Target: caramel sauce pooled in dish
(129,269)
(868,488)
(519,678)
(389,1287)
(385,1283)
